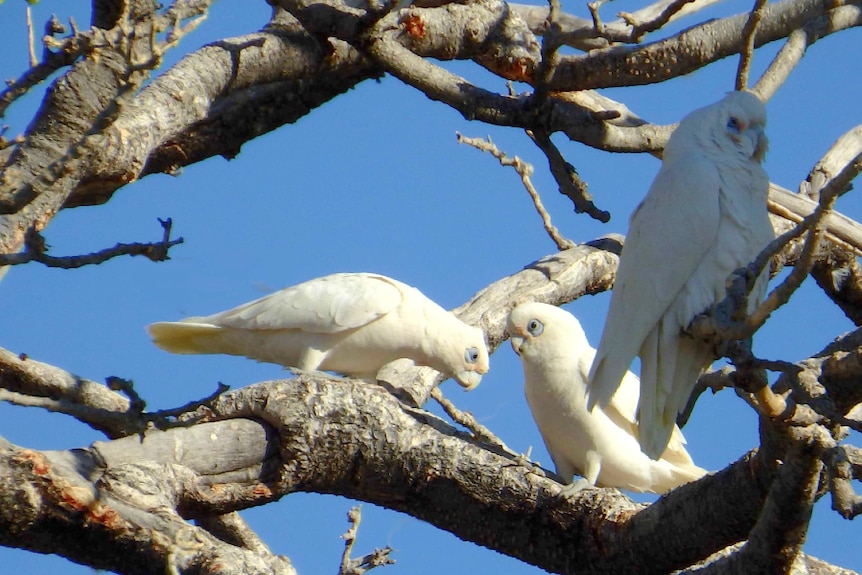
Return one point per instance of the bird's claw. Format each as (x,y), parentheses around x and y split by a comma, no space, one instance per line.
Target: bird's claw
(523,460)
(573,489)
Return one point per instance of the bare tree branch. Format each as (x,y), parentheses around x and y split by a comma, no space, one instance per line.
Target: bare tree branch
(377,558)
(846,151)
(525,170)
(126,504)
(570,183)
(580,33)
(798,41)
(36,251)
(715,40)
(844,464)
(479,431)
(747,53)
(397,470)
(232,528)
(707,328)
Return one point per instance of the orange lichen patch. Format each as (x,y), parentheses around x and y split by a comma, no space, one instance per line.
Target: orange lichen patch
(519,70)
(262,490)
(77,498)
(414,25)
(38,462)
(106,516)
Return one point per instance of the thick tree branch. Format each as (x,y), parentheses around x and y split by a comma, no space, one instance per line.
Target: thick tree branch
(776,540)
(554,279)
(20,374)
(157,114)
(689,50)
(45,169)
(116,516)
(354,439)
(798,42)
(175,145)
(846,151)
(27,382)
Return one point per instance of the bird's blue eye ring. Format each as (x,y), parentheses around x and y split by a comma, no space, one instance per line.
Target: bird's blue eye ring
(471,355)
(535,327)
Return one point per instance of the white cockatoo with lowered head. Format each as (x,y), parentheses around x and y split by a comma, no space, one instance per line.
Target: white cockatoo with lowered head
(349,323)
(704,216)
(600,443)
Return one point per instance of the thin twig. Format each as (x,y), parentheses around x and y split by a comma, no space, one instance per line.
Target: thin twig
(598,26)
(466,419)
(31,41)
(165,417)
(781,294)
(127,388)
(64,52)
(525,170)
(721,327)
(549,54)
(798,42)
(376,558)
(36,251)
(714,381)
(747,52)
(665,16)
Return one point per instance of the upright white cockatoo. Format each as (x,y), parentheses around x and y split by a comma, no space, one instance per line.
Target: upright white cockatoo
(349,323)
(704,216)
(599,443)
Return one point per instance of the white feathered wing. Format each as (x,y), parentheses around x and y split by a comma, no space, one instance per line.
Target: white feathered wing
(600,444)
(704,216)
(349,323)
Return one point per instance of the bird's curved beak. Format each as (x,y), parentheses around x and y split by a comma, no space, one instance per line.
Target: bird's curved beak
(761,146)
(517,341)
(468,379)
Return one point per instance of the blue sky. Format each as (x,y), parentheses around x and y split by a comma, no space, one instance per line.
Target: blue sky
(375,181)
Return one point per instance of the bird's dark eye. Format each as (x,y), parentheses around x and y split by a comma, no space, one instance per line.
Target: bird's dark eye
(471,355)
(535,327)
(733,124)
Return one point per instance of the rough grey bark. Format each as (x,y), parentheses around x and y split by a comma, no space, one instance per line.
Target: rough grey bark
(122,504)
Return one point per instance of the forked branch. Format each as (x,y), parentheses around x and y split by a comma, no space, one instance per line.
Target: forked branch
(36,250)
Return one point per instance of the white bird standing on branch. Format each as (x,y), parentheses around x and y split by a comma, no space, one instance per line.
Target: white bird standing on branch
(599,443)
(704,216)
(349,323)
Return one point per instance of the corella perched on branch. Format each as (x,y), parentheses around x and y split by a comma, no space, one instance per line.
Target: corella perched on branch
(599,443)
(704,216)
(349,323)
